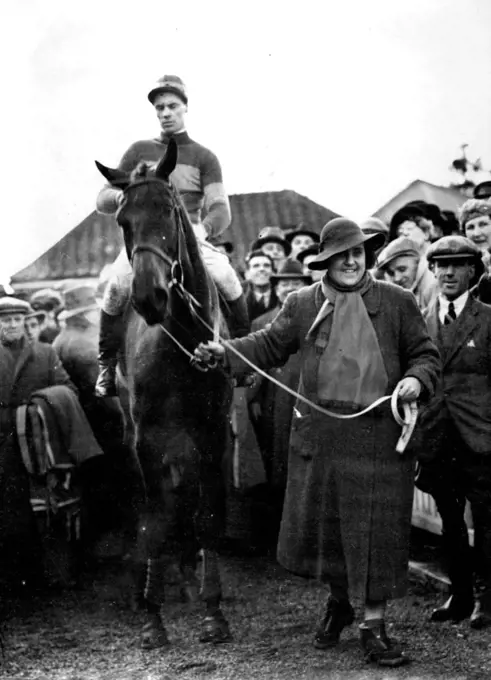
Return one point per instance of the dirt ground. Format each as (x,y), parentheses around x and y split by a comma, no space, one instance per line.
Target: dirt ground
(88,634)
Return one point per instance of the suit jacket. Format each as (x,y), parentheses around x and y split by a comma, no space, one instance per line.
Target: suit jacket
(463,392)
(256,308)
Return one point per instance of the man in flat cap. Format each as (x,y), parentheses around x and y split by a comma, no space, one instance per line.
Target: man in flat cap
(456,426)
(25,367)
(402,263)
(48,301)
(198,178)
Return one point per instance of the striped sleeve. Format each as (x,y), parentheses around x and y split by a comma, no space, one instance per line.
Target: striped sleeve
(216,203)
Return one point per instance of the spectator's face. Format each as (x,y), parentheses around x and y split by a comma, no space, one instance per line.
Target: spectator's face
(259,271)
(347,268)
(478,230)
(316,274)
(454,277)
(286,286)
(33,328)
(12,327)
(402,271)
(418,230)
(299,243)
(275,250)
(171,111)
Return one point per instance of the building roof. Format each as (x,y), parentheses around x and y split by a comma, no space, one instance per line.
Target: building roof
(446,198)
(96,241)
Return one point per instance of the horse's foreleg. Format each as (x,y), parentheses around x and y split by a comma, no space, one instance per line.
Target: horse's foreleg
(209,525)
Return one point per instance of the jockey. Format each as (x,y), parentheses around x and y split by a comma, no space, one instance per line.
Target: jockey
(198,178)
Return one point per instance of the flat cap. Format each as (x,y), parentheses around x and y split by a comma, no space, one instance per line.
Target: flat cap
(452,248)
(11,305)
(399,247)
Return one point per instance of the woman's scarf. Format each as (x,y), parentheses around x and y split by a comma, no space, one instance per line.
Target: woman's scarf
(351,369)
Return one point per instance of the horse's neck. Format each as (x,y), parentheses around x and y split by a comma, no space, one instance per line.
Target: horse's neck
(198,283)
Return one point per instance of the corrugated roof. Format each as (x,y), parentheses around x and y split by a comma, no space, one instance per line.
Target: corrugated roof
(445,198)
(96,241)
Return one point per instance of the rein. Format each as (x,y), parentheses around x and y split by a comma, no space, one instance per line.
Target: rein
(176,272)
(410,410)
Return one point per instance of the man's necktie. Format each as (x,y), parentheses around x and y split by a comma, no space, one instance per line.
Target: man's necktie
(450,316)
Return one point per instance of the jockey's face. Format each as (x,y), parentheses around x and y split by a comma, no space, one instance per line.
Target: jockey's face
(12,327)
(171,111)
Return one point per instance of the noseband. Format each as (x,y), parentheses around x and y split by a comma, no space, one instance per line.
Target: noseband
(176,270)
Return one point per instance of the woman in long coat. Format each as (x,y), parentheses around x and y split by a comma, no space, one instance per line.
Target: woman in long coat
(347,512)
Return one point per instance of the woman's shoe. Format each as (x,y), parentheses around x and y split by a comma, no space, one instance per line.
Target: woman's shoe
(339,614)
(378,648)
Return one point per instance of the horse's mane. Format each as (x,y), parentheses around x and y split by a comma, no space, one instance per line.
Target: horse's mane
(142,171)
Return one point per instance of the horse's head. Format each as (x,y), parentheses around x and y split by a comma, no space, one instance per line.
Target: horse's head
(150,216)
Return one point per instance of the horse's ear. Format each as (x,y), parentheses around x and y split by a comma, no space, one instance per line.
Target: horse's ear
(168,162)
(117,178)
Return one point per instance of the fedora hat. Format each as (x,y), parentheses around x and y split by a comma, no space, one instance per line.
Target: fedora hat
(78,299)
(482,190)
(311,250)
(290,269)
(272,235)
(301,230)
(339,235)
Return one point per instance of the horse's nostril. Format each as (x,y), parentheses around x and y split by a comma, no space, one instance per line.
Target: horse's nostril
(161,295)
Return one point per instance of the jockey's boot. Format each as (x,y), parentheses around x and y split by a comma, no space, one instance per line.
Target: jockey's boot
(110,334)
(238,317)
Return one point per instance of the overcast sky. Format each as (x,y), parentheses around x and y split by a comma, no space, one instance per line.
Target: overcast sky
(345,102)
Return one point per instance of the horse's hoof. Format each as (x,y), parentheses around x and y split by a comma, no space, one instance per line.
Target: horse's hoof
(215,630)
(153,634)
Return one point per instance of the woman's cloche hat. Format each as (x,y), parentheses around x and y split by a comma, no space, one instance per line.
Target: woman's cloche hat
(339,235)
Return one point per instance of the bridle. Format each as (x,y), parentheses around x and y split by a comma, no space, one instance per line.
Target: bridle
(173,263)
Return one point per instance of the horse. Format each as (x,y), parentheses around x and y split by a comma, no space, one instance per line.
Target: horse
(179,408)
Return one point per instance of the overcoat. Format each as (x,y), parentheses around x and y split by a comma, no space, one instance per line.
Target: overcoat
(36,367)
(112,483)
(276,411)
(349,495)
(463,393)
